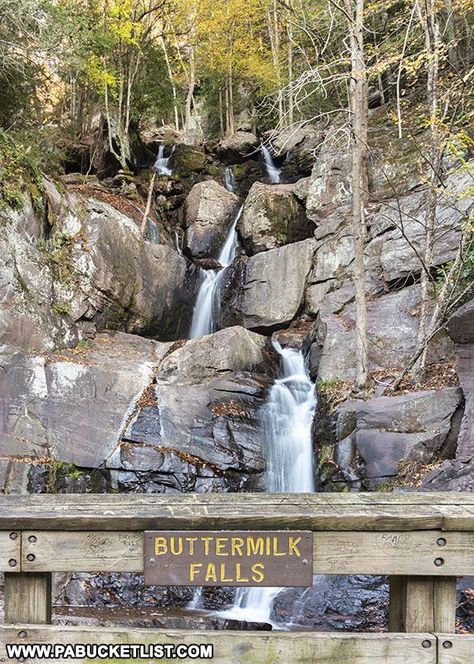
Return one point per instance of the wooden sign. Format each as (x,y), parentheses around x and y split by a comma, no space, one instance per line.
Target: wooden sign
(278,558)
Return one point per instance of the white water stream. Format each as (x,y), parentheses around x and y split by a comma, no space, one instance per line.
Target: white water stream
(287,419)
(162,163)
(202,322)
(229,179)
(273,172)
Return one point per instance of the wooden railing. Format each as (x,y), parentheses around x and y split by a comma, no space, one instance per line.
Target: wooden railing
(422,541)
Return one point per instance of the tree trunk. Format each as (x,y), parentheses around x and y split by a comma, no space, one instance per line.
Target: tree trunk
(359,112)
(431,33)
(190,95)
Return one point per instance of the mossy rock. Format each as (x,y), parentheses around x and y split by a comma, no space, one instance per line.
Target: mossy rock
(188,160)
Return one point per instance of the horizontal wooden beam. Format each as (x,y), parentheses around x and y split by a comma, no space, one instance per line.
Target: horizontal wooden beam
(247,647)
(10,551)
(431,553)
(376,512)
(455,648)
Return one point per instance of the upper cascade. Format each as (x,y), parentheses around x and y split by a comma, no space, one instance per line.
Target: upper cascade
(162,163)
(203,321)
(273,172)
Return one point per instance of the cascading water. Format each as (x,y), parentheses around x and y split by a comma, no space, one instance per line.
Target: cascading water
(162,163)
(273,172)
(229,179)
(287,420)
(203,322)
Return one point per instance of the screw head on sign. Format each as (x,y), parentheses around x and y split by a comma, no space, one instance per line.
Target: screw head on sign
(447,644)
(12,562)
(438,562)
(22,635)
(32,539)
(13,536)
(31,557)
(426,643)
(441,541)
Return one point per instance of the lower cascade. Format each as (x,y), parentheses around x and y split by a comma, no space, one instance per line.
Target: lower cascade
(202,322)
(287,420)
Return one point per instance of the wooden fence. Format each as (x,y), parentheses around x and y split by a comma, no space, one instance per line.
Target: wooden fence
(422,541)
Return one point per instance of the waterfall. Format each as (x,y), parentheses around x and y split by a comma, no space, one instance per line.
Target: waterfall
(272,171)
(162,163)
(229,179)
(202,322)
(287,419)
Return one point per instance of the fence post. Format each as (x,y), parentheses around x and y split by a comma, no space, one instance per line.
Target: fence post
(422,604)
(28,598)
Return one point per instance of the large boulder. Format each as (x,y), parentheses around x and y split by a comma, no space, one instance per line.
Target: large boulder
(238,147)
(69,407)
(199,430)
(388,430)
(88,269)
(209,211)
(187,161)
(272,217)
(153,417)
(265,291)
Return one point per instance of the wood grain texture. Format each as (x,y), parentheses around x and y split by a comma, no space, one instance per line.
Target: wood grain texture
(334,552)
(375,512)
(10,551)
(28,598)
(455,648)
(422,603)
(249,647)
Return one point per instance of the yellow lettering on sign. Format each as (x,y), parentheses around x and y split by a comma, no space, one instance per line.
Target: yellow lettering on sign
(293,546)
(236,545)
(220,544)
(194,569)
(161,546)
(275,548)
(255,546)
(223,577)
(191,541)
(211,574)
(206,541)
(240,579)
(176,545)
(257,572)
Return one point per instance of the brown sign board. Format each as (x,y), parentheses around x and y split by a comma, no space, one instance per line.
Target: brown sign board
(280,558)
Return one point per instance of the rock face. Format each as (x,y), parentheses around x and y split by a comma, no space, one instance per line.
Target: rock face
(383,431)
(404,235)
(154,416)
(200,431)
(267,290)
(301,146)
(238,147)
(91,269)
(272,217)
(209,211)
(70,406)
(392,324)
(458,475)
(335,603)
